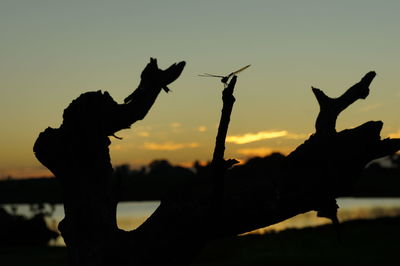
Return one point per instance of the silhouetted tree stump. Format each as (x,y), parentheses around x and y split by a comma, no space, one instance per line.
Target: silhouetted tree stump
(318,171)
(78,155)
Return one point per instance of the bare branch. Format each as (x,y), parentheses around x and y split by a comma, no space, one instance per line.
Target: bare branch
(330,108)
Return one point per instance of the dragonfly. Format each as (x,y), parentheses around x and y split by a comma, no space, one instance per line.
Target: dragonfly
(224,79)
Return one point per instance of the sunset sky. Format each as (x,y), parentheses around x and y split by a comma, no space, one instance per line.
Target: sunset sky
(51,51)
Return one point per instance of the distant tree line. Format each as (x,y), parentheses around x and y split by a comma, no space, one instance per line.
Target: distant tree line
(153,181)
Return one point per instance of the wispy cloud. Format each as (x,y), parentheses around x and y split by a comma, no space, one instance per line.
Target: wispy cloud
(202,128)
(252,137)
(143,134)
(259,151)
(168,146)
(116,147)
(175,125)
(262,135)
(395,135)
(120,146)
(297,136)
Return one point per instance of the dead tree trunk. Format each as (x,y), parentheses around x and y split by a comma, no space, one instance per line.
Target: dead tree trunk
(219,165)
(324,167)
(77,153)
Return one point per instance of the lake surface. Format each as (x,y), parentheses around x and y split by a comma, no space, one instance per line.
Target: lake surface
(349,209)
(131,214)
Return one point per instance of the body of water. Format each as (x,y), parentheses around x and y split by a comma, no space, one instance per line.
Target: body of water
(349,209)
(131,214)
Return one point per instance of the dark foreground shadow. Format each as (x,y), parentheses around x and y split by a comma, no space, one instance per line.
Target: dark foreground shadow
(364,242)
(17,230)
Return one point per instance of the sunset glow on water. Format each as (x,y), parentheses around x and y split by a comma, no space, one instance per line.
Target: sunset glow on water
(130,215)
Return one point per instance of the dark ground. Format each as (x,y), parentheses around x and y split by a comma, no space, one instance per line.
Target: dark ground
(364,242)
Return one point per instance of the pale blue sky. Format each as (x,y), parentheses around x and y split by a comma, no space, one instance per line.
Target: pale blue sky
(51,51)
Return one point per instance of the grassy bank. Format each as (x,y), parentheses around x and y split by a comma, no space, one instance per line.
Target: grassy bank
(33,256)
(363,242)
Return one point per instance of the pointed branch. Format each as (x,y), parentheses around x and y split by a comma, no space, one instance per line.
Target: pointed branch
(330,108)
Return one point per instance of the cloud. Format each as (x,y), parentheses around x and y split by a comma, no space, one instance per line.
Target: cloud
(143,134)
(260,151)
(297,136)
(116,147)
(119,146)
(168,146)
(175,125)
(202,128)
(252,137)
(395,135)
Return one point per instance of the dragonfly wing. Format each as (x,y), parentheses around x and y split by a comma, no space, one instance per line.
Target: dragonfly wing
(239,70)
(210,75)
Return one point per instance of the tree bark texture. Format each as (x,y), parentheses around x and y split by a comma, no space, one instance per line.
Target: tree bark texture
(323,168)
